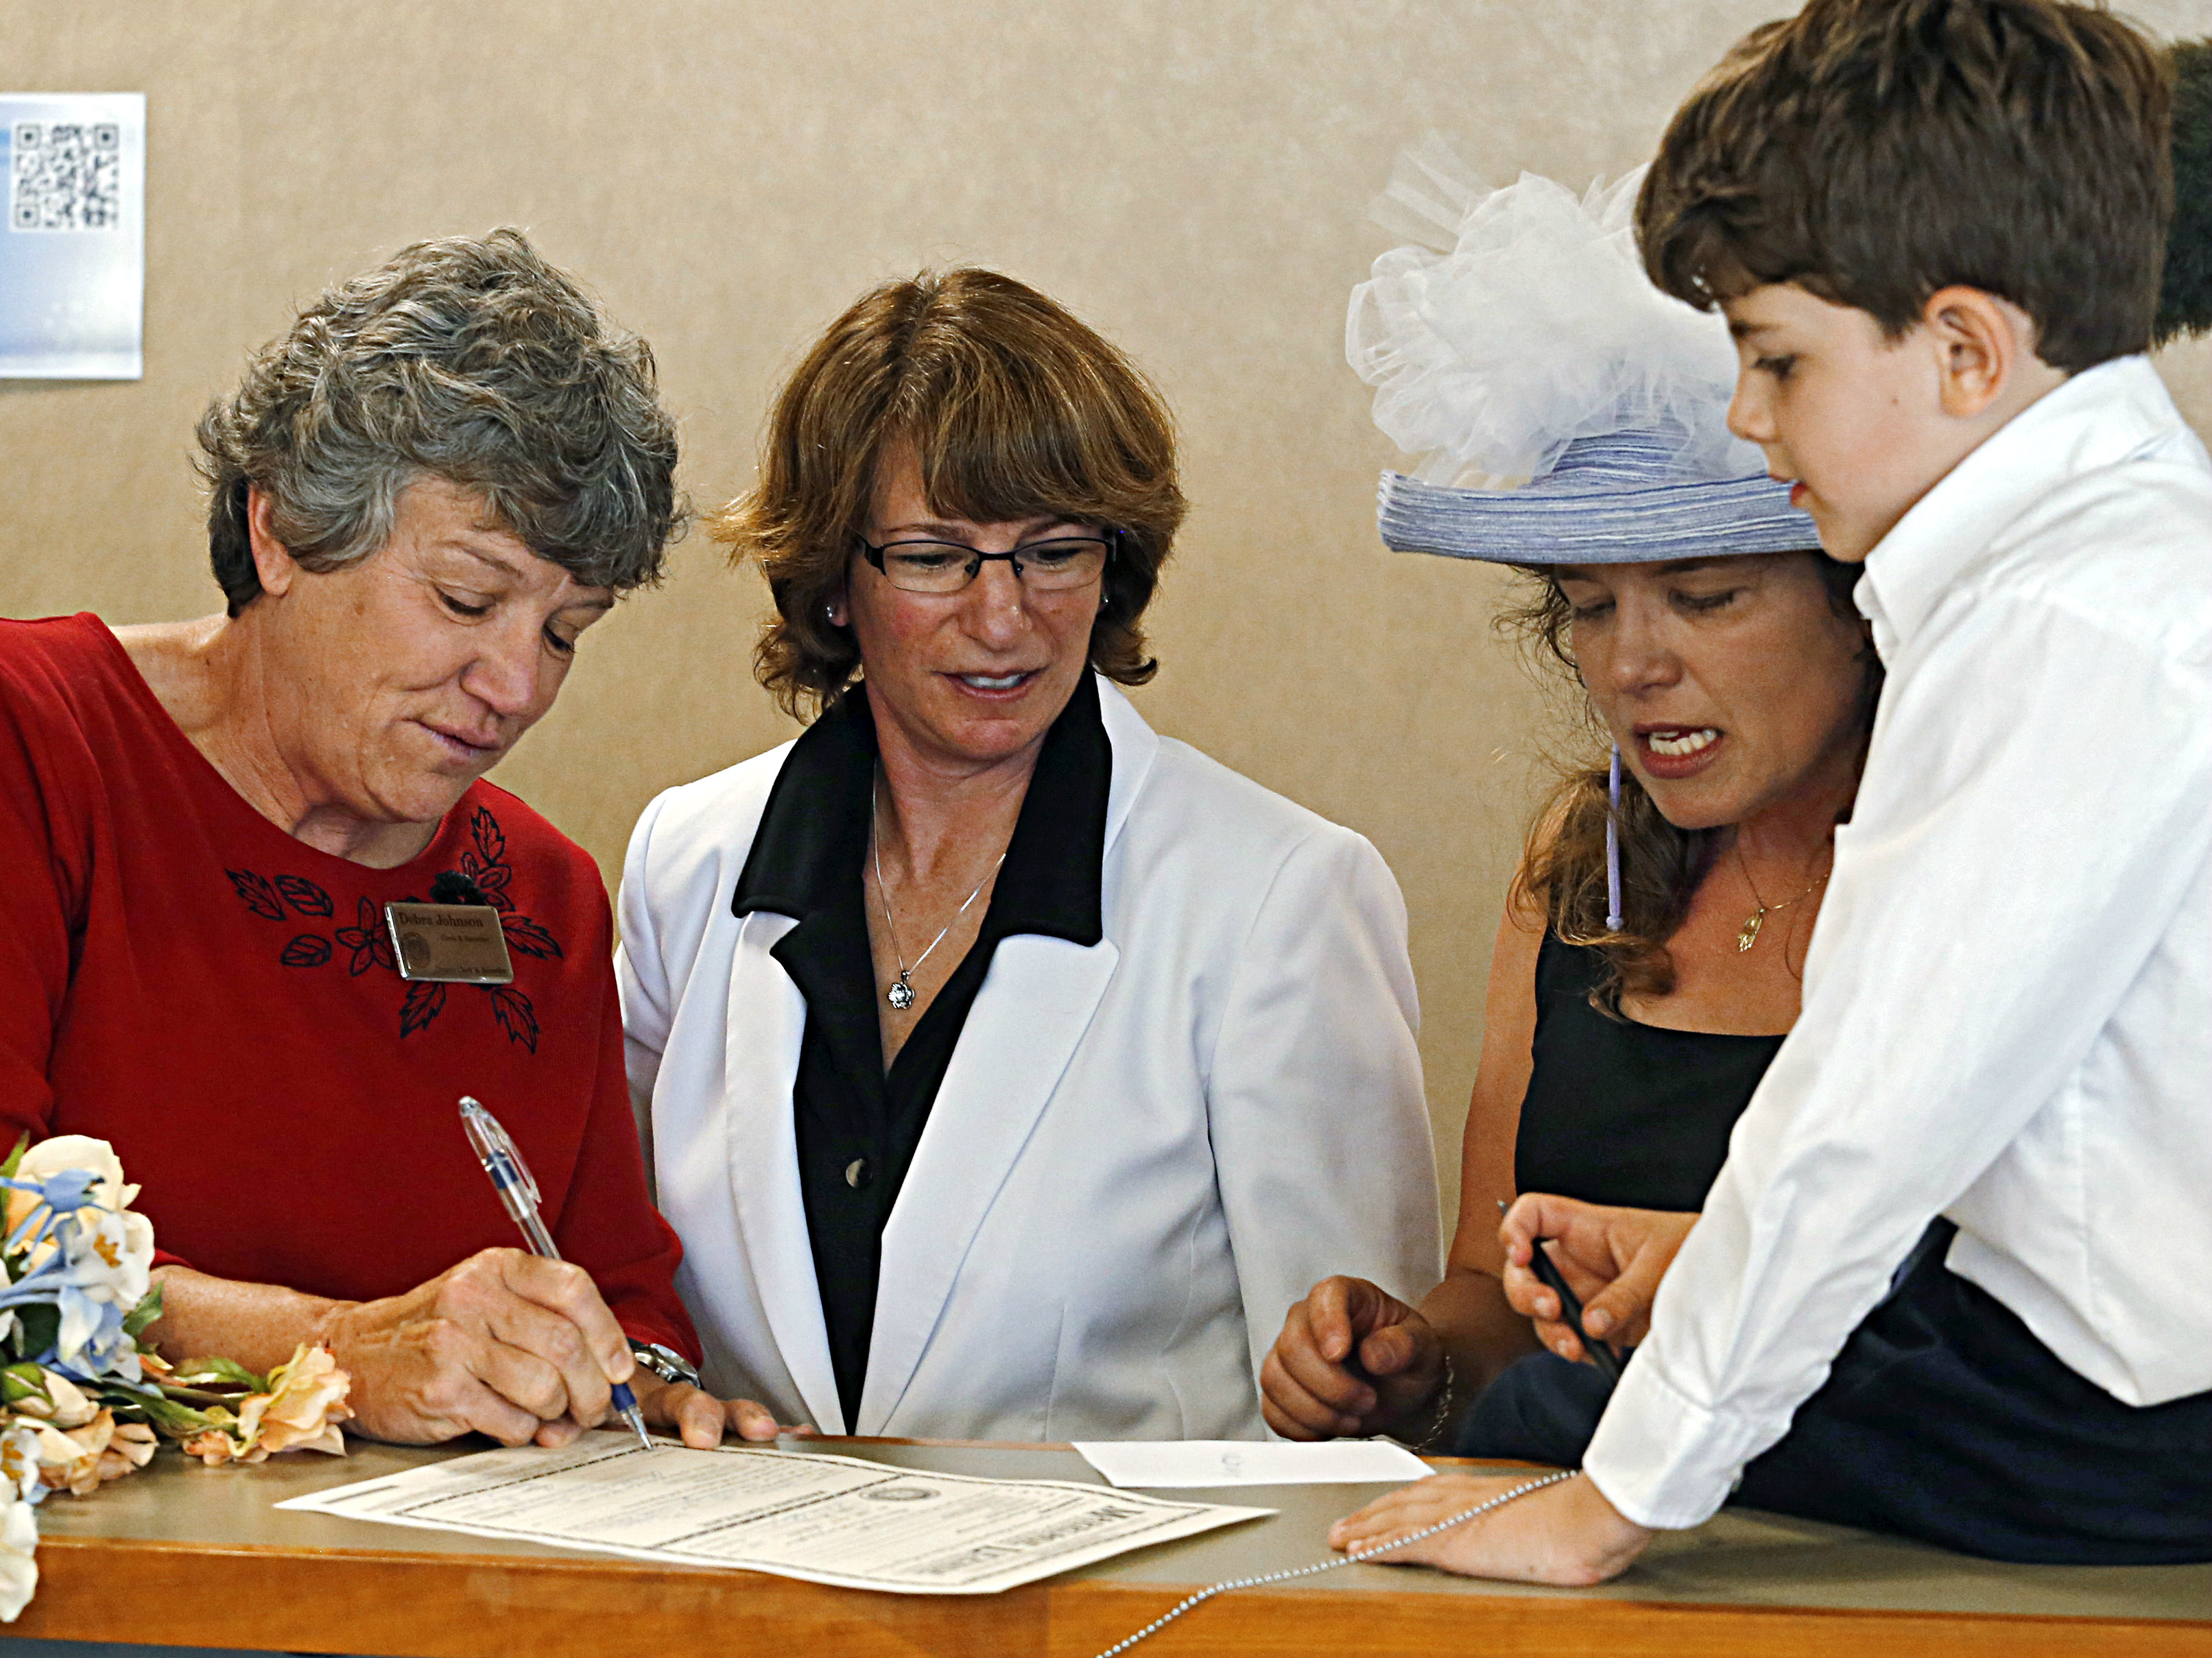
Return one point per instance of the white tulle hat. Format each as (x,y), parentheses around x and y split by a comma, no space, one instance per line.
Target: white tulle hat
(1570,412)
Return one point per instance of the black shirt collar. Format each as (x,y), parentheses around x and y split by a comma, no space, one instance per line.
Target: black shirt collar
(813,834)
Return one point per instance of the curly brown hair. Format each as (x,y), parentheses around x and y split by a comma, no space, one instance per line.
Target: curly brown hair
(1875,151)
(1015,409)
(1562,875)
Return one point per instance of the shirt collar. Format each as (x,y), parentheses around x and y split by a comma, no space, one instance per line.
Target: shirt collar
(814,831)
(2114,412)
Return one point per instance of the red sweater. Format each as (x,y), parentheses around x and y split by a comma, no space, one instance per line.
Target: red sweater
(183,979)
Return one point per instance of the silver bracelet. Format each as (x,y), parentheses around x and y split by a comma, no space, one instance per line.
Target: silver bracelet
(1357,1555)
(1444,1416)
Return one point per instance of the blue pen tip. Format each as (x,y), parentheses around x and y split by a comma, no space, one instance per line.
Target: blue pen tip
(625,1404)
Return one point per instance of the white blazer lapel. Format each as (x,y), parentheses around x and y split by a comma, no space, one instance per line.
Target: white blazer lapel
(1035,1005)
(1136,745)
(768,1020)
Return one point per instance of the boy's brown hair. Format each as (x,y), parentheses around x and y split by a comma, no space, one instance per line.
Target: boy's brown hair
(1875,151)
(1015,409)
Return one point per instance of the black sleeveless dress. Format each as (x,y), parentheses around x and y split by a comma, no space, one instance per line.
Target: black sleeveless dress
(1616,1112)
(1943,1418)
(1626,1113)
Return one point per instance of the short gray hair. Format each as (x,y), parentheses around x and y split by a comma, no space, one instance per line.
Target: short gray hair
(470,360)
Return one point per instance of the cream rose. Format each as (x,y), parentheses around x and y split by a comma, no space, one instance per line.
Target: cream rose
(19,1559)
(302,1409)
(301,1412)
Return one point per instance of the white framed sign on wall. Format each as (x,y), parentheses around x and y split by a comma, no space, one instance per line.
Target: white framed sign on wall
(73,252)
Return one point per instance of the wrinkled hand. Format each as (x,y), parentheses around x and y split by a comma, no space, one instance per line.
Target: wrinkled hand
(1611,1259)
(1566,1535)
(1351,1361)
(699,1418)
(504,1344)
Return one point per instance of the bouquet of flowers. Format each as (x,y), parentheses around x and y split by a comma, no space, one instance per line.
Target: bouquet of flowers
(82,1402)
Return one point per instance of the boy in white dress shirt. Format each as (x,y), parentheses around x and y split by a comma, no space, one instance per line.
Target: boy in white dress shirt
(1936,228)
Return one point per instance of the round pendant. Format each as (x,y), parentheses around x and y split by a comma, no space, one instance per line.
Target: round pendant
(901,994)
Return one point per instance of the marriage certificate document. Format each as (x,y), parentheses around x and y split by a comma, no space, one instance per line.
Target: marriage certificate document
(827,1519)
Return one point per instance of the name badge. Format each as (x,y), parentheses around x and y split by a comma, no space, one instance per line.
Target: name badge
(450,944)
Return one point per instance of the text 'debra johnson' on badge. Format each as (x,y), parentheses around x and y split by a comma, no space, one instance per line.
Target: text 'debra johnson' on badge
(450,944)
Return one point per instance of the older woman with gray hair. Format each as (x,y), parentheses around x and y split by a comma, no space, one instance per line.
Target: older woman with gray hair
(220,839)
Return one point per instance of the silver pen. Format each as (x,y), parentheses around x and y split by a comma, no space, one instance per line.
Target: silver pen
(518,1195)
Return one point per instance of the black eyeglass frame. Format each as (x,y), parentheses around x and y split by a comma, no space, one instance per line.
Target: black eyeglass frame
(978,558)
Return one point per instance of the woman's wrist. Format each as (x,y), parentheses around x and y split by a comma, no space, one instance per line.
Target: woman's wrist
(1442,1406)
(665,1363)
(260,1325)
(1611,1538)
(333,1324)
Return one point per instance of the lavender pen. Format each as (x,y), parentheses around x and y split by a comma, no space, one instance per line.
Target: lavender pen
(1613,845)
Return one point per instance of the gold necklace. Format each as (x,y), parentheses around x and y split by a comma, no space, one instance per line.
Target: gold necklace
(1748,934)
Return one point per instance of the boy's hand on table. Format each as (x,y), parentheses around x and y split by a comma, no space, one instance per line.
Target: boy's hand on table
(1566,1535)
(1611,1259)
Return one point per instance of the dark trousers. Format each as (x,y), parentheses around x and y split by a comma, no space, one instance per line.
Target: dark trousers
(1944,1419)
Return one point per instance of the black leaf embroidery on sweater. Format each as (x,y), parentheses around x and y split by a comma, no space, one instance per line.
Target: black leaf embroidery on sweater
(515,1015)
(367,942)
(304,895)
(258,895)
(425,1000)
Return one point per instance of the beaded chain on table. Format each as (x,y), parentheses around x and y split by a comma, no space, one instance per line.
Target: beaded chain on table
(1352,1557)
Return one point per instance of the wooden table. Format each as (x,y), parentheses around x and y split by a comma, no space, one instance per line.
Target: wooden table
(187,1556)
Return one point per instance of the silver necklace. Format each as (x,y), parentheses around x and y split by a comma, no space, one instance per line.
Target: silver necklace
(901,994)
(1350,1557)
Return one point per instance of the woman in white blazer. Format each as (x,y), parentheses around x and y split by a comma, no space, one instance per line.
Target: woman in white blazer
(1008,1069)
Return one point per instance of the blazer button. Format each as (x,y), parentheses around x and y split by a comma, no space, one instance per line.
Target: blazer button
(858,1174)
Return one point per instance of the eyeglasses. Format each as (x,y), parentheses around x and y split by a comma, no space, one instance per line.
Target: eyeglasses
(1060,565)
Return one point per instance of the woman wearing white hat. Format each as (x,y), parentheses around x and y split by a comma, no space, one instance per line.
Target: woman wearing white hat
(1649,960)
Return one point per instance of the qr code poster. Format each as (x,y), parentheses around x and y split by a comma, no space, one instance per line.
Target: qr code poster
(73,253)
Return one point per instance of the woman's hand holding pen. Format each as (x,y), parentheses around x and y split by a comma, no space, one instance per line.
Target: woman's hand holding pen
(503,1344)
(510,1345)
(1611,1259)
(1352,1360)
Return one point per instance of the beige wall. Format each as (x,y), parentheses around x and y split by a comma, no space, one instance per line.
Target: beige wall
(1193,178)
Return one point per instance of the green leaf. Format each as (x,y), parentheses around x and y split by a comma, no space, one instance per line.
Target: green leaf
(148,1309)
(21,1381)
(199,1372)
(123,1397)
(8,1168)
(40,1323)
(173,1415)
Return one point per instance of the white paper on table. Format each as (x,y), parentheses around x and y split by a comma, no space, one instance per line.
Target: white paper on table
(1169,1464)
(826,1519)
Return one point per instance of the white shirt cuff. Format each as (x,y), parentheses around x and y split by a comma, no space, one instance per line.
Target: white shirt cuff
(1662,1461)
